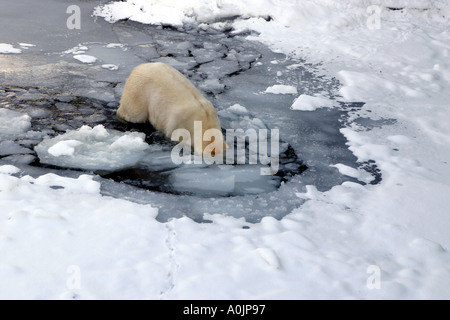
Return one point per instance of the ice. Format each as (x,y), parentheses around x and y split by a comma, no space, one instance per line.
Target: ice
(179,64)
(7,182)
(203,182)
(158,161)
(84,184)
(13,123)
(115,45)
(111,67)
(111,56)
(12,148)
(8,48)
(186,12)
(281,89)
(204,55)
(26,45)
(93,149)
(84,58)
(310,103)
(223,180)
(218,69)
(64,148)
(212,85)
(319,235)
(238,109)
(170,15)
(238,117)
(400,139)
(9,169)
(102,94)
(360,174)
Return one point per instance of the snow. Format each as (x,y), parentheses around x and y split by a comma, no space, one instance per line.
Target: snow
(26,45)
(223,180)
(64,148)
(238,109)
(62,217)
(281,89)
(310,103)
(93,149)
(60,238)
(359,174)
(84,58)
(9,169)
(8,48)
(110,66)
(13,123)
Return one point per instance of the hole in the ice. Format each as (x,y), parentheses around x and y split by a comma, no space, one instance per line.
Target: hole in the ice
(156,172)
(180,191)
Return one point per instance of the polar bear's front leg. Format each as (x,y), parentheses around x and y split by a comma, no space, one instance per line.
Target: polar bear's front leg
(134,103)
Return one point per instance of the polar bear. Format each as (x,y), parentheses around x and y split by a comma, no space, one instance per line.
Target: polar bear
(158,93)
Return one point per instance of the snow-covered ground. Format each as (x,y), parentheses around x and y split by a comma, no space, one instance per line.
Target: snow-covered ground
(63,237)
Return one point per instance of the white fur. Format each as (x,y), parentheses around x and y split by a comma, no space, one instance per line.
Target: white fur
(158,93)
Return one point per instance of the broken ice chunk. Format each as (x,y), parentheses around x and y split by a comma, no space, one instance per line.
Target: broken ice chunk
(93,149)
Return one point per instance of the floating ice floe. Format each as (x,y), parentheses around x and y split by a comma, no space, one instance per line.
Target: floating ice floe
(310,103)
(13,123)
(8,148)
(111,67)
(93,149)
(26,45)
(7,48)
(223,180)
(115,45)
(281,89)
(79,49)
(84,58)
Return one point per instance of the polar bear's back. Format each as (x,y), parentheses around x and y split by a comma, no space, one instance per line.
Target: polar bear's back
(160,93)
